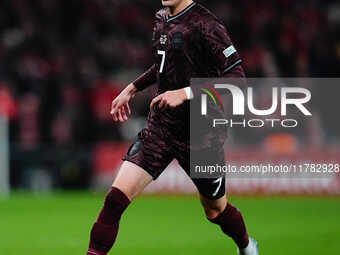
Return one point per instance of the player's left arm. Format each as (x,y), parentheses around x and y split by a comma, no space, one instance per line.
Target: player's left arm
(221,53)
(172,98)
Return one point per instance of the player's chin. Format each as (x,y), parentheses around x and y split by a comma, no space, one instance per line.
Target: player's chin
(167,3)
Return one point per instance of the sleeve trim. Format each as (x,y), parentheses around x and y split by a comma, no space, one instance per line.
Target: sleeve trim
(232,66)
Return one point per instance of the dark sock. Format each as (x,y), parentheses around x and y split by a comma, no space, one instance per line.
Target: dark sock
(232,224)
(105,229)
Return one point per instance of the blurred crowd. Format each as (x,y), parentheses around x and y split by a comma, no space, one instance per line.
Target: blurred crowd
(62,62)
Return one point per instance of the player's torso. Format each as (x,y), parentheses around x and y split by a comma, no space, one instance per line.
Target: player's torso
(179,56)
(176,50)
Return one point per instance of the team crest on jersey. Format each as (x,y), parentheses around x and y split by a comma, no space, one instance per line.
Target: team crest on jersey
(163,39)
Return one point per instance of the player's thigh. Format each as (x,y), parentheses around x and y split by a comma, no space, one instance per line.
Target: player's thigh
(131,179)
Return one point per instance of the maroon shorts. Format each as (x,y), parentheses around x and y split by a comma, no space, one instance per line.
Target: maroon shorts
(155,148)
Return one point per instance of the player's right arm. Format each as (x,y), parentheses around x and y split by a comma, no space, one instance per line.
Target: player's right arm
(120,109)
(146,79)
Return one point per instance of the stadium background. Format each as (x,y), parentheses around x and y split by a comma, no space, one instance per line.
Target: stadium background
(62,63)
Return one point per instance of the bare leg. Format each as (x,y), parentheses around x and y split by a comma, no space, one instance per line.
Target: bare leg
(213,208)
(131,181)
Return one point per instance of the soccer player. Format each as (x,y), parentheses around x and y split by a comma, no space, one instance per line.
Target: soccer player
(188,41)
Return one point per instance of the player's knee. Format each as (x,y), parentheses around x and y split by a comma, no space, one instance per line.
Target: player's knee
(213,208)
(212,211)
(116,202)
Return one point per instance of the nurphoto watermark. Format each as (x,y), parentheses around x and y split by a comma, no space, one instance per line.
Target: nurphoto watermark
(275,115)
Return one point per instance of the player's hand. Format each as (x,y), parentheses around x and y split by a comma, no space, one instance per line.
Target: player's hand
(170,99)
(120,109)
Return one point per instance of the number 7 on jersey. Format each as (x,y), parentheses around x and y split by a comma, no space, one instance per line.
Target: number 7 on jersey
(162,53)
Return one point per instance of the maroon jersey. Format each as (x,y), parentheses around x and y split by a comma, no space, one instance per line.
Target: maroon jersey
(194,43)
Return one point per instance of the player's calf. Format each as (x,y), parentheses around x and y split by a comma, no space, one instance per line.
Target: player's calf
(130,181)
(232,224)
(105,229)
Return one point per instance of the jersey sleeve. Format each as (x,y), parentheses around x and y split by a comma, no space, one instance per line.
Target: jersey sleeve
(146,79)
(221,53)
